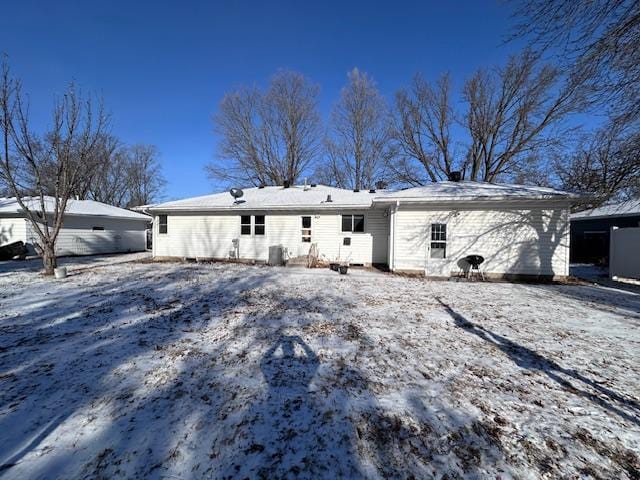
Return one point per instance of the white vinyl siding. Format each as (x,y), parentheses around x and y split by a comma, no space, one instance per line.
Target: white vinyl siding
(516,239)
(211,236)
(77,236)
(192,235)
(12,229)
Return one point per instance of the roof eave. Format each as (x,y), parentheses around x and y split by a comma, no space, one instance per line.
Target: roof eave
(235,208)
(474,199)
(601,217)
(146,218)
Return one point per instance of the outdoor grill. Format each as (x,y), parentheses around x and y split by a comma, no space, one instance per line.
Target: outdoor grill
(475,261)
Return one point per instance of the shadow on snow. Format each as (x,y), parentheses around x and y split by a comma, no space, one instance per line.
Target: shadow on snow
(143,378)
(623,406)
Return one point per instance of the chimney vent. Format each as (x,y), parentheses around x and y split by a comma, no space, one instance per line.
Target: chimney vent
(455,176)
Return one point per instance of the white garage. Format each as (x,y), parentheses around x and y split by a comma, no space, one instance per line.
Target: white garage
(89,227)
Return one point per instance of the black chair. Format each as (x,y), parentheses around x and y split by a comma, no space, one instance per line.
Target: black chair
(475,261)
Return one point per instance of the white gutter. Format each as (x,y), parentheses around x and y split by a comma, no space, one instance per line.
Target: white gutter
(575,218)
(140,218)
(238,208)
(380,200)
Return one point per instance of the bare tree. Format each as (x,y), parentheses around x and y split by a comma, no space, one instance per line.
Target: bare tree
(603,166)
(108,183)
(513,113)
(358,142)
(423,121)
(56,160)
(128,175)
(330,170)
(146,182)
(268,137)
(510,115)
(596,41)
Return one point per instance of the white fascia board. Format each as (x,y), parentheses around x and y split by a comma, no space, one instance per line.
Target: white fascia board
(604,217)
(116,217)
(418,200)
(261,208)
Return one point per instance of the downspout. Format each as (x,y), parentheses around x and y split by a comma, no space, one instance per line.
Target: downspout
(392,240)
(154,236)
(567,233)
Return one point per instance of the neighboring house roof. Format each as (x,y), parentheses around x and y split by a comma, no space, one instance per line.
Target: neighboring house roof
(142,208)
(301,197)
(74,207)
(622,209)
(139,208)
(467,190)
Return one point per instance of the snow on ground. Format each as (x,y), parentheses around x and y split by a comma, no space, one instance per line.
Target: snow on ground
(170,370)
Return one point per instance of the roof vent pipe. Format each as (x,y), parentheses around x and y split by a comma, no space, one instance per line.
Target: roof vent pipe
(286,184)
(356,189)
(329,199)
(372,190)
(455,176)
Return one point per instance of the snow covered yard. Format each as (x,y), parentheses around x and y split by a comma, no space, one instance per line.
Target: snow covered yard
(168,370)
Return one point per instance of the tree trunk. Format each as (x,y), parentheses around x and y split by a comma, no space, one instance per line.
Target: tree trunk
(49,259)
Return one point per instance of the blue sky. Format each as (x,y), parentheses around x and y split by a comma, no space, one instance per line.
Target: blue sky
(163,66)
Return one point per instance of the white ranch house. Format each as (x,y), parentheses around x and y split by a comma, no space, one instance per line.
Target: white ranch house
(519,230)
(88,228)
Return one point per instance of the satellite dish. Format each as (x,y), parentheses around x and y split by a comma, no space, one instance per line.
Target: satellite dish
(236,193)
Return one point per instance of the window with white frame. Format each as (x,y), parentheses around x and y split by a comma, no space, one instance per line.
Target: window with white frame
(353,223)
(306,229)
(162,224)
(258,225)
(245,225)
(438,240)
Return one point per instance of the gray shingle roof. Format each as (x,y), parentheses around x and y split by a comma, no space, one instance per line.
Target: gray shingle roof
(300,197)
(74,207)
(281,198)
(631,207)
(466,190)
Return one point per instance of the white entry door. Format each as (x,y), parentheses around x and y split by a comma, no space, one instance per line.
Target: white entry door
(253,244)
(306,230)
(437,264)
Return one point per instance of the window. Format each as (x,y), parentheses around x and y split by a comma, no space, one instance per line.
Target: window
(245,225)
(162,224)
(97,229)
(438,240)
(353,223)
(306,229)
(258,225)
